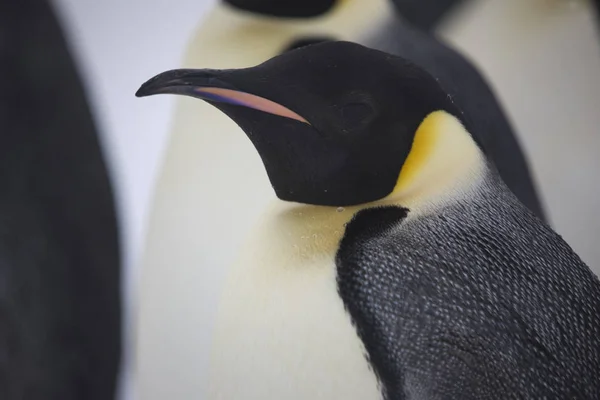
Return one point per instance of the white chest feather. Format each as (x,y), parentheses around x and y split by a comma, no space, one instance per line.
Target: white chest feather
(282,330)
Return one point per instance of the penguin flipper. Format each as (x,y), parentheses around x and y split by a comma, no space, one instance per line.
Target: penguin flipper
(478,300)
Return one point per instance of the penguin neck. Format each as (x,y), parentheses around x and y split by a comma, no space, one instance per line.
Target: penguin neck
(444,166)
(307,232)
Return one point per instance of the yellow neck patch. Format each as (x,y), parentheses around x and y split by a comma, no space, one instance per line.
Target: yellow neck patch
(443,158)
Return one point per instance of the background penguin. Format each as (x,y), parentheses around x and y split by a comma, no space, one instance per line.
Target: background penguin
(193,210)
(451,287)
(548,88)
(424,14)
(60,328)
(476,101)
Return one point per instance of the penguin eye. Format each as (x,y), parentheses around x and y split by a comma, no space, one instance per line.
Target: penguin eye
(356,113)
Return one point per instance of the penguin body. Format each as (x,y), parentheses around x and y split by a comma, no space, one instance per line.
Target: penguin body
(400,266)
(60,294)
(547,87)
(280,310)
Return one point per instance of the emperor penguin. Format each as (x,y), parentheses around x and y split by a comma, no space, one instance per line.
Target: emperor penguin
(189,244)
(394,263)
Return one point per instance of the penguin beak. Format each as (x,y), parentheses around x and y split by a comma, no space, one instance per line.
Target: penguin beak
(254,99)
(210,86)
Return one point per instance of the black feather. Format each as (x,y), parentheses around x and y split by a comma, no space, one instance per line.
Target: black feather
(59,256)
(480,300)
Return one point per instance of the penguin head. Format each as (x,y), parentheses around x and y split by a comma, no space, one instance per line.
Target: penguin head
(333,122)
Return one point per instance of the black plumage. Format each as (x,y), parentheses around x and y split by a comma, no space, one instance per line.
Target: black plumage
(59,256)
(425,14)
(479,300)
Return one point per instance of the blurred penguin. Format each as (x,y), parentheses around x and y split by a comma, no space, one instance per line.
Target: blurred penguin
(425,14)
(59,256)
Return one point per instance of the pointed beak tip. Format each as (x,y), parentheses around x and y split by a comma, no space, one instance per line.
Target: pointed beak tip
(152,86)
(141,92)
(145,90)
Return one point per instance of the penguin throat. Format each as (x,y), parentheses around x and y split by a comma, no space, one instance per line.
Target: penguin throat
(312,231)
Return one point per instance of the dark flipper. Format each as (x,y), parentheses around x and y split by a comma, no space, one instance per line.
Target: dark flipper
(60,313)
(477,301)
